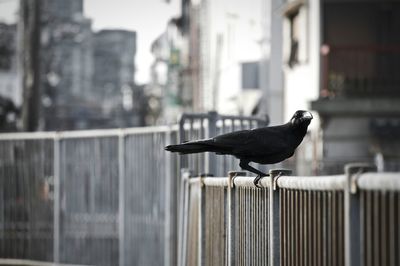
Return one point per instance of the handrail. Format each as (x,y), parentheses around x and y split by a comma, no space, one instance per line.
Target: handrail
(334,182)
(86,133)
(379,181)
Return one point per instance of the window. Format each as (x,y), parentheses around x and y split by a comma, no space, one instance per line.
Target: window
(293,38)
(250,76)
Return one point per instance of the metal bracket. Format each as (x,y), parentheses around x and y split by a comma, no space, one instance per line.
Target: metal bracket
(233,175)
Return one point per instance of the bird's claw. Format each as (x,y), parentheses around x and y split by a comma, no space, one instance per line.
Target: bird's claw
(256,180)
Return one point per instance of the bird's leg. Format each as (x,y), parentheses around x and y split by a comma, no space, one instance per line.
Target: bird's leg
(245,165)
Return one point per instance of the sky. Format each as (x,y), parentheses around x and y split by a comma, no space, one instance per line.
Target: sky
(147,17)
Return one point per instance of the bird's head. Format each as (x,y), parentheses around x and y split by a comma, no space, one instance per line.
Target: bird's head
(301,118)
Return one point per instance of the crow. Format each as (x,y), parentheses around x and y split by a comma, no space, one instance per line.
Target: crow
(265,145)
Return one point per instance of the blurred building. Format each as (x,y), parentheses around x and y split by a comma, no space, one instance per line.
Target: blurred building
(10,92)
(86,79)
(168,98)
(67,67)
(8,63)
(199,59)
(342,56)
(113,79)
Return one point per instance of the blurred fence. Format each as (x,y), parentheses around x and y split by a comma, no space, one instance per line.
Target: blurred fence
(200,126)
(89,197)
(348,219)
(100,197)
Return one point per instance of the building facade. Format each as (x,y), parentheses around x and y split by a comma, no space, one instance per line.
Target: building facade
(339,59)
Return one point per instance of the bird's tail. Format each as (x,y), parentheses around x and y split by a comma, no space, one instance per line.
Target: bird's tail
(191,147)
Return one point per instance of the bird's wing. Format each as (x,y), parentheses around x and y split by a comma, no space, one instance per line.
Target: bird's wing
(263,142)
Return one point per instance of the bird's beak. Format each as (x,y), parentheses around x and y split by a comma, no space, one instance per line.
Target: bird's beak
(307,115)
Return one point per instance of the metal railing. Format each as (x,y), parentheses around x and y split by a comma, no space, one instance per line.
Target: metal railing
(360,71)
(348,219)
(207,125)
(89,197)
(99,197)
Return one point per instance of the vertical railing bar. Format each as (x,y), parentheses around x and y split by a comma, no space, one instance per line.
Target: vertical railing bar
(296,227)
(212,131)
(383,227)
(301,225)
(376,199)
(310,226)
(334,229)
(231,222)
(283,222)
(305,224)
(398,231)
(290,224)
(202,224)
(368,222)
(57,211)
(340,247)
(329,228)
(252,226)
(319,228)
(121,197)
(274,217)
(392,229)
(168,238)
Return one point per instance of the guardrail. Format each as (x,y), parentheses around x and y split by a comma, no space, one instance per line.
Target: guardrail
(349,219)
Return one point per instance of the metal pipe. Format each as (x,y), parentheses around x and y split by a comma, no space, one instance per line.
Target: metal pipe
(334,182)
(121,197)
(57,199)
(379,181)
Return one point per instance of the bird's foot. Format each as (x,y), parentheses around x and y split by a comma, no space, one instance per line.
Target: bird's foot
(256,180)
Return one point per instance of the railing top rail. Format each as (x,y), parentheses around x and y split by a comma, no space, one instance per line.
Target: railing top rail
(379,181)
(216,181)
(20,262)
(248,181)
(86,133)
(27,135)
(333,182)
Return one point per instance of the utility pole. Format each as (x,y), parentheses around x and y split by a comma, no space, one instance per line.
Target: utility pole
(30,21)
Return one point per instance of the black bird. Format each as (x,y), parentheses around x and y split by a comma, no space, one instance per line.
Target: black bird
(266,145)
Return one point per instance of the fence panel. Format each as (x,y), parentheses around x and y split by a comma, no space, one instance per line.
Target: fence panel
(379,218)
(251,223)
(100,197)
(26,197)
(150,190)
(89,200)
(349,219)
(215,222)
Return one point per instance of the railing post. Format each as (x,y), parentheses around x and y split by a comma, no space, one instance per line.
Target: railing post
(274,216)
(121,198)
(212,132)
(183,216)
(352,241)
(56,225)
(202,224)
(231,215)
